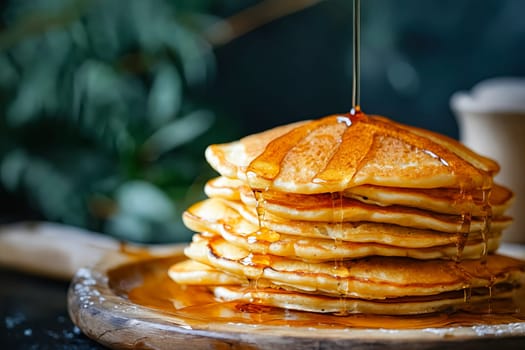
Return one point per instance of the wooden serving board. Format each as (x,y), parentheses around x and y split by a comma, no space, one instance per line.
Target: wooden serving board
(102,303)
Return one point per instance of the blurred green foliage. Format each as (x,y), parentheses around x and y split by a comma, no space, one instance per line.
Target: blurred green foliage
(101,125)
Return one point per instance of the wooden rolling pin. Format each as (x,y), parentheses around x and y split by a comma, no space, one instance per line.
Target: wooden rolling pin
(58,251)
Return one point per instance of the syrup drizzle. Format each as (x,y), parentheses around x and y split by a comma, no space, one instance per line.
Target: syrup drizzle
(486,211)
(263,234)
(268,164)
(487,222)
(463,233)
(354,115)
(338,266)
(259,207)
(467,294)
(465,228)
(485,230)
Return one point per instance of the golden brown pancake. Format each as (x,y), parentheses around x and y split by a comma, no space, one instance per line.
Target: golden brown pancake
(343,306)
(223,187)
(439,200)
(338,152)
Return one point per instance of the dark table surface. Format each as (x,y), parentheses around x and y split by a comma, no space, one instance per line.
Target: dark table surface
(33,314)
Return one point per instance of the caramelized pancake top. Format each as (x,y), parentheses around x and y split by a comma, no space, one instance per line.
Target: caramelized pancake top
(338,152)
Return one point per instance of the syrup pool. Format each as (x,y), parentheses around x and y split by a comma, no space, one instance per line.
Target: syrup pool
(147,284)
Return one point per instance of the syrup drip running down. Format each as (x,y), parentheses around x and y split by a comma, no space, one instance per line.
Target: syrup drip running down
(487,211)
(337,219)
(467,294)
(259,207)
(482,200)
(263,233)
(463,232)
(354,115)
(485,230)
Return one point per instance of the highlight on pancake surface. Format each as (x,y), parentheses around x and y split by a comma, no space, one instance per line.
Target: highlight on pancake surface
(348,214)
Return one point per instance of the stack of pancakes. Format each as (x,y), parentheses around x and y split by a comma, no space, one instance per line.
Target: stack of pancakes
(350,214)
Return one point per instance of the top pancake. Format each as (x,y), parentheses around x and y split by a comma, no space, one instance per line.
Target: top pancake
(338,152)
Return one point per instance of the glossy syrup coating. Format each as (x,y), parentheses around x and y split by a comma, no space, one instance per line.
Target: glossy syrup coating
(338,152)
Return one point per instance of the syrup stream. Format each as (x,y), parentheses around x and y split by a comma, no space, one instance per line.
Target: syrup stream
(356,68)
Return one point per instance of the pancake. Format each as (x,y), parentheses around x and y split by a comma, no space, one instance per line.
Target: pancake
(362,231)
(338,152)
(214,216)
(223,187)
(368,278)
(438,200)
(343,306)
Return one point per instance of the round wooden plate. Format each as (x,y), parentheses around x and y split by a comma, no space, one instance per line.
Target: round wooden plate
(100,305)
